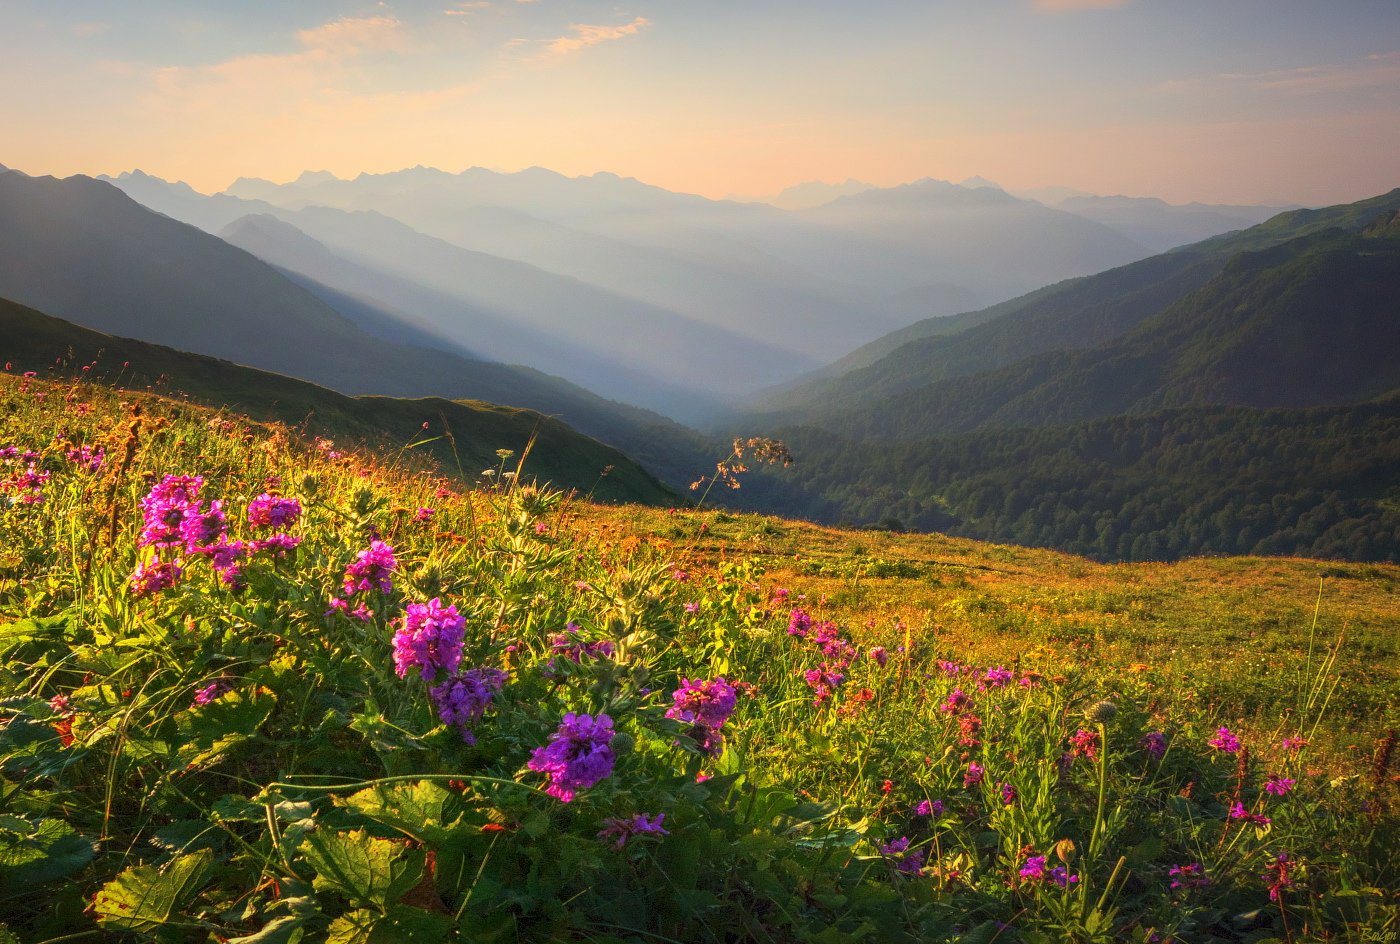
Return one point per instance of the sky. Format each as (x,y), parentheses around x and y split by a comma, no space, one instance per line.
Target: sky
(1221,101)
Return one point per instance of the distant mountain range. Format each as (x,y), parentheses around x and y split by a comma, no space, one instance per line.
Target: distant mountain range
(84,251)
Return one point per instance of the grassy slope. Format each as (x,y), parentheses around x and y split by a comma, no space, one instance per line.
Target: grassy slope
(568,459)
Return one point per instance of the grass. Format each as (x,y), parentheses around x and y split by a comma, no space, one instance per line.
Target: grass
(847,736)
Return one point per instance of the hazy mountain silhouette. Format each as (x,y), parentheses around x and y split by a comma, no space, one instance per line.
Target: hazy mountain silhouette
(1159,225)
(814,193)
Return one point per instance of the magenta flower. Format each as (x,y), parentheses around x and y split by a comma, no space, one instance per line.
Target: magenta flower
(1034,869)
(569,645)
(165,508)
(1084,744)
(997,677)
(897,850)
(278,544)
(622,829)
(1276,873)
(798,623)
(975,772)
(431,639)
(463,699)
(957,700)
(1188,876)
(199,529)
(1239,812)
(210,692)
(880,655)
(929,808)
(154,577)
(1294,744)
(271,511)
(1061,877)
(371,569)
(1225,741)
(1279,785)
(578,755)
(1155,743)
(708,703)
(1008,794)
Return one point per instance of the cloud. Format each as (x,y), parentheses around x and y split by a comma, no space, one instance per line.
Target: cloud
(468,8)
(349,34)
(586,35)
(1060,6)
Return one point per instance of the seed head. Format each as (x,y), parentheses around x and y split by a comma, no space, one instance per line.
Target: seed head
(1101,712)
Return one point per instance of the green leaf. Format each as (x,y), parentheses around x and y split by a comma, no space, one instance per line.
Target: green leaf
(43,852)
(366,870)
(145,897)
(414,809)
(402,925)
(207,731)
(287,920)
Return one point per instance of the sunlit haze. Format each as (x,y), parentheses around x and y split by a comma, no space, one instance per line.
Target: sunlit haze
(1239,102)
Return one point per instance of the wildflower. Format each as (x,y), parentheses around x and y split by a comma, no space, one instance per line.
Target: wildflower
(371,569)
(997,677)
(577,756)
(1188,876)
(823,681)
(1225,741)
(969,726)
(1034,869)
(85,457)
(1155,743)
(199,529)
(957,700)
(62,706)
(1084,744)
(799,623)
(270,511)
(1008,794)
(897,850)
(880,655)
(1062,877)
(165,508)
(692,607)
(278,544)
(210,692)
(707,703)
(362,613)
(337,605)
(225,558)
(1279,785)
(929,808)
(431,639)
(623,829)
(1239,812)
(1294,744)
(1276,873)
(424,514)
(463,699)
(974,774)
(154,577)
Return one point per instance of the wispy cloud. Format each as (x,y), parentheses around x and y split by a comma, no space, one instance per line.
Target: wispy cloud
(349,35)
(467,9)
(1060,6)
(588,35)
(1379,70)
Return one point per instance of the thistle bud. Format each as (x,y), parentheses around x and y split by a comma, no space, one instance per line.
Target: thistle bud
(1101,712)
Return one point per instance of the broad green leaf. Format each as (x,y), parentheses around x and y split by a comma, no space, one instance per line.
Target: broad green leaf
(43,852)
(145,897)
(286,921)
(415,809)
(366,870)
(207,731)
(402,925)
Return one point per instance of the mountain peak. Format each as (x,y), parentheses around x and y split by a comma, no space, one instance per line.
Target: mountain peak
(310,178)
(980,183)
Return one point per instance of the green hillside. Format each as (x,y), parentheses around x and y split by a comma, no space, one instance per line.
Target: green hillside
(462,436)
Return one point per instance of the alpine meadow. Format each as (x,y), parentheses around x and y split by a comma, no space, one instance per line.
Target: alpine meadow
(530,471)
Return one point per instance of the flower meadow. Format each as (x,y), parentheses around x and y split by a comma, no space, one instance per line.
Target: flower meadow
(260,690)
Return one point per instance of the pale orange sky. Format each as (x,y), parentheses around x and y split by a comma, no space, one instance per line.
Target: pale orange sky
(1109,96)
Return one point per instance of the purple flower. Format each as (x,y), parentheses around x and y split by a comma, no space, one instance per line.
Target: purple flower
(880,655)
(975,772)
(905,861)
(165,508)
(957,700)
(929,808)
(577,756)
(708,703)
(1225,741)
(996,678)
(154,577)
(431,639)
(85,457)
(1188,876)
(278,544)
(949,668)
(1294,744)
(798,623)
(1239,812)
(692,607)
(225,557)
(371,569)
(1061,877)
(823,681)
(621,829)
(210,692)
(1034,869)
(201,528)
(1155,743)
(464,698)
(1279,785)
(1008,794)
(270,511)
(1276,874)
